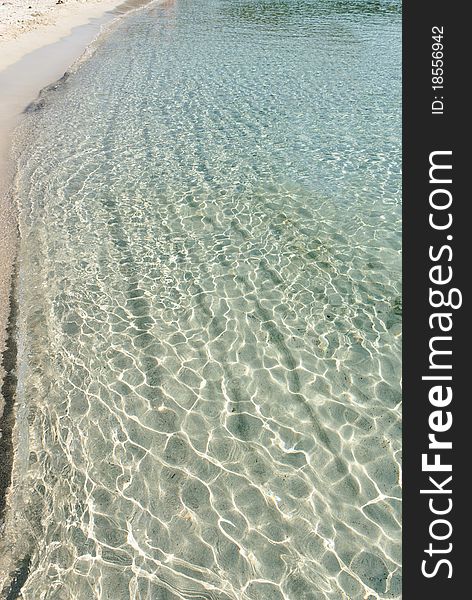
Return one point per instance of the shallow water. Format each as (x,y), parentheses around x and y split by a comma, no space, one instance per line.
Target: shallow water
(210,308)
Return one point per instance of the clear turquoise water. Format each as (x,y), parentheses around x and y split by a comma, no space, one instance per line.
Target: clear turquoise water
(210,309)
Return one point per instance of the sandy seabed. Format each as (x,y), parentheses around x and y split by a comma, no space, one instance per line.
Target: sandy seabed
(39,41)
(28,28)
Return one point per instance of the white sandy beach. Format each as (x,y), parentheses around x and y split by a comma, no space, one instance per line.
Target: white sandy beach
(26,25)
(19,16)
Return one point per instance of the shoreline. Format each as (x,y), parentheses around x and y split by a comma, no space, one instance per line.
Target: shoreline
(29,63)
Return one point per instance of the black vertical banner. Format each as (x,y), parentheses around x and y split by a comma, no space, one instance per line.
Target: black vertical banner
(437,437)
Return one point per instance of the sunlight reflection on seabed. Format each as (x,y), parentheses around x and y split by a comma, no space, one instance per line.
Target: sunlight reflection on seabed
(210,309)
